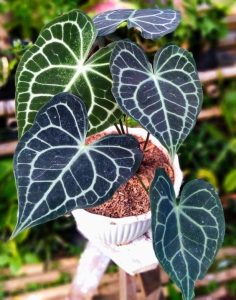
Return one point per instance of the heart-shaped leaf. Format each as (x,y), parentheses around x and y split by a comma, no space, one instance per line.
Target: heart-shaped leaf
(58,63)
(55,170)
(153,23)
(187,232)
(166,99)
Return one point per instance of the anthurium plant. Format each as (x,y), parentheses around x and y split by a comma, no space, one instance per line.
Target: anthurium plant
(68,90)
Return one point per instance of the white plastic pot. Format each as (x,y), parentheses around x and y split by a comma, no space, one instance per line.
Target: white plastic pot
(120,231)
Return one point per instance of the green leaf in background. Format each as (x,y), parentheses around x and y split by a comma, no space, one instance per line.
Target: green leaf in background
(230,181)
(10,256)
(4,260)
(58,62)
(187,232)
(15,264)
(56,171)
(8,198)
(166,98)
(6,167)
(228,107)
(232,145)
(31,258)
(208,175)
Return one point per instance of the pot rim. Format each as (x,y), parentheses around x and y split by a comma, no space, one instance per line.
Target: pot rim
(77,213)
(131,219)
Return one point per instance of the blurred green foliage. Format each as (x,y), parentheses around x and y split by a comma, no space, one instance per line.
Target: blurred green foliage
(211,146)
(203,19)
(9,250)
(10,58)
(174,294)
(53,240)
(228,107)
(27,17)
(230,181)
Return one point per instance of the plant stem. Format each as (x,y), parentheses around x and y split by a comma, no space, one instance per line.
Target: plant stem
(118,129)
(146,141)
(101,42)
(126,123)
(121,126)
(143,185)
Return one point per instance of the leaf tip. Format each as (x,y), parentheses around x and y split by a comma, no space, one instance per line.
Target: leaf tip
(15,232)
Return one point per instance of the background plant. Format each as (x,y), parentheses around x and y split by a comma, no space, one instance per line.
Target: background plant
(26,18)
(198,155)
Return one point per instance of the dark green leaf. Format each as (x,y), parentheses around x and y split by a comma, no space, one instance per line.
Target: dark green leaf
(58,63)
(153,23)
(165,99)
(187,232)
(57,172)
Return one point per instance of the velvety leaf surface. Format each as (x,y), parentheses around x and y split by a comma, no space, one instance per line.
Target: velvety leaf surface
(58,63)
(187,232)
(55,170)
(152,23)
(165,99)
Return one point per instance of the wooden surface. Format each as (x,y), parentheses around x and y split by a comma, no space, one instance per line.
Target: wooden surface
(7,108)
(220,293)
(8,148)
(109,286)
(151,284)
(62,264)
(217,74)
(127,286)
(209,113)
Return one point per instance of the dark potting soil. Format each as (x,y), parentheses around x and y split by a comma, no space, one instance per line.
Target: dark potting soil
(131,199)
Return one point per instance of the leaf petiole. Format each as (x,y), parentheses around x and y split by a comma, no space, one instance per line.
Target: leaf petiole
(126,123)
(142,183)
(122,126)
(146,141)
(118,129)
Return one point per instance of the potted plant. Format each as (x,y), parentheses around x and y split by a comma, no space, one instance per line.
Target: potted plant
(66,92)
(119,225)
